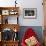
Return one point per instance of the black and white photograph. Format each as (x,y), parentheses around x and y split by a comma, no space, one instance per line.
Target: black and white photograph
(30,12)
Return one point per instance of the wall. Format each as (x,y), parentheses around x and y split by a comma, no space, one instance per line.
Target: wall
(27,4)
(32,4)
(7,3)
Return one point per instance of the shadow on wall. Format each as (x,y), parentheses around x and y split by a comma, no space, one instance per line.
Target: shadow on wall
(37,29)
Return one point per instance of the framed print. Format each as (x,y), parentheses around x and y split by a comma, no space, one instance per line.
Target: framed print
(5,12)
(13,12)
(30,12)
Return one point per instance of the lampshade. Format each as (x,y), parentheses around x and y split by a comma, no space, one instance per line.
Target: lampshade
(15,30)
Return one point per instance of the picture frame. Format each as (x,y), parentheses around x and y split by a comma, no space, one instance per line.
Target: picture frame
(30,13)
(5,12)
(13,12)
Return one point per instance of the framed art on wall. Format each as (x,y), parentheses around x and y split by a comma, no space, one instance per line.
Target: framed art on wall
(5,12)
(30,12)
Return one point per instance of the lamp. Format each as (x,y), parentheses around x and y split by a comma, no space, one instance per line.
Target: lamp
(15,3)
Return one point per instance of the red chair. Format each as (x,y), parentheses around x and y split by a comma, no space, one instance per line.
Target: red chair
(29,33)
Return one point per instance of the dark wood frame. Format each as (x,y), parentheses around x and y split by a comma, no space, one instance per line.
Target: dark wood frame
(26,16)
